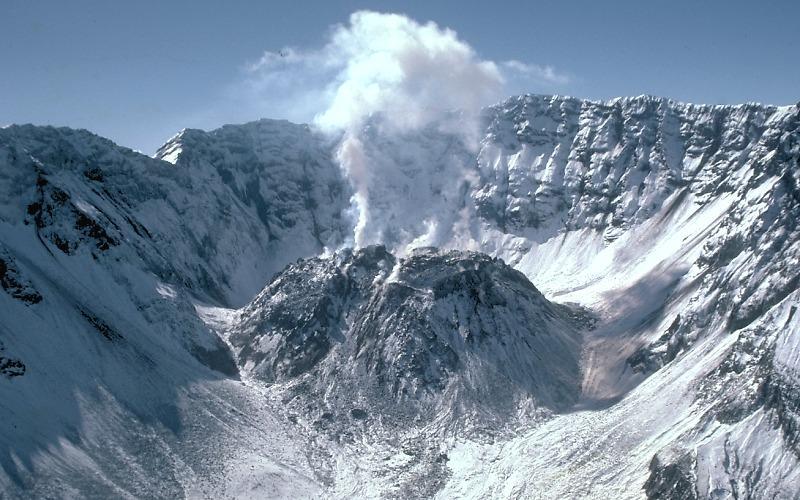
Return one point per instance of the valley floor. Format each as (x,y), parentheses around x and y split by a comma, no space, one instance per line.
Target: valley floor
(600,448)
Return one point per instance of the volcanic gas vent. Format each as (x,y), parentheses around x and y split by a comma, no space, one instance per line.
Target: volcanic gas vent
(454,331)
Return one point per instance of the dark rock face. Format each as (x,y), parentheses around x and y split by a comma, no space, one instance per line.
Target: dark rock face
(410,334)
(10,367)
(219,359)
(303,309)
(673,481)
(783,398)
(101,326)
(15,285)
(58,219)
(650,358)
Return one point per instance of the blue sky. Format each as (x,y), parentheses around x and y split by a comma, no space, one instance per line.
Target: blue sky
(137,72)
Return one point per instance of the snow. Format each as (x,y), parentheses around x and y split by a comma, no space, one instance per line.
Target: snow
(670,227)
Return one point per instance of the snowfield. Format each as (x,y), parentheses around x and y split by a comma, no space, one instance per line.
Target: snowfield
(598,302)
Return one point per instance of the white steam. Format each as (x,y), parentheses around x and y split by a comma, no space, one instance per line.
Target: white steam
(410,73)
(404,77)
(405,98)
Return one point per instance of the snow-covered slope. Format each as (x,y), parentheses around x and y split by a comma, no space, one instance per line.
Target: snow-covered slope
(677,225)
(282,176)
(112,384)
(661,361)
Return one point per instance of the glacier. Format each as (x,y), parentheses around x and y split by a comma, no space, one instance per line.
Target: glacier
(597,301)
